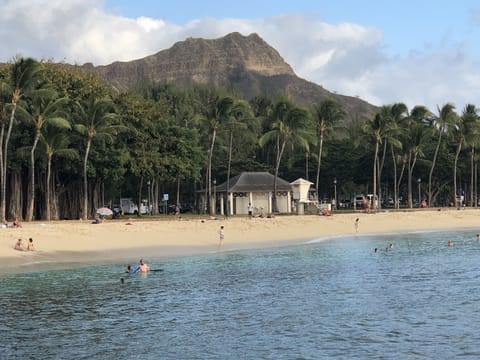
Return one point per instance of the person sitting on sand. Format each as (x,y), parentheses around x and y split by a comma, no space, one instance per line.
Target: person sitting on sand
(19,245)
(16,223)
(30,246)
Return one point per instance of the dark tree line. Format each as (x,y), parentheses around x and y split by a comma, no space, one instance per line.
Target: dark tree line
(70,144)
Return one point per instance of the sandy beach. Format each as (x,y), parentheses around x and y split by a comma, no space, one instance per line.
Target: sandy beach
(64,244)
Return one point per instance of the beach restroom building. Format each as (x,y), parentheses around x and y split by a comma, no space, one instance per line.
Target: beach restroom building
(255,188)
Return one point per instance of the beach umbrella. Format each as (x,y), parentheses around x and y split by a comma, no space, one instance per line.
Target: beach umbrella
(104,211)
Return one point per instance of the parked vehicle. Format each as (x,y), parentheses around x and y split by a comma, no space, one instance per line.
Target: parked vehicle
(359,200)
(129,207)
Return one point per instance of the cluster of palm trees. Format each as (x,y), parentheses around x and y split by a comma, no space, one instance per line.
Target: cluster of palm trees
(81,145)
(421,135)
(27,96)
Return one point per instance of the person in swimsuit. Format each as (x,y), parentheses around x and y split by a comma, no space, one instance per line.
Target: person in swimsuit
(30,246)
(221,238)
(19,245)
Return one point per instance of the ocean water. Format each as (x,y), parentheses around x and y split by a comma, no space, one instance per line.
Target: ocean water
(333,299)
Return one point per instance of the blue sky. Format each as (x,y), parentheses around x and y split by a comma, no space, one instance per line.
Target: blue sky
(407,25)
(418,52)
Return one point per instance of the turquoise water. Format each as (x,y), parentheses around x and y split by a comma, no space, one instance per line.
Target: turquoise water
(333,299)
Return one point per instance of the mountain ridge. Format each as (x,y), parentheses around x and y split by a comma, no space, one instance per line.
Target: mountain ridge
(245,63)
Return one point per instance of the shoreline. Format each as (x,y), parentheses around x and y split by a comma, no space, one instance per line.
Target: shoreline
(71,243)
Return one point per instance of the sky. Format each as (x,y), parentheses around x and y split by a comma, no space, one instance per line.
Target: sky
(423,52)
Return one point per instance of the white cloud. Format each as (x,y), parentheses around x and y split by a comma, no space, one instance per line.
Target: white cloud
(346,58)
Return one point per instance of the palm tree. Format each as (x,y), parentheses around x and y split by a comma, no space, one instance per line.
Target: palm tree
(471,127)
(377,128)
(446,117)
(43,108)
(241,113)
(417,138)
(22,78)
(218,113)
(289,127)
(459,131)
(95,121)
(399,111)
(56,143)
(327,114)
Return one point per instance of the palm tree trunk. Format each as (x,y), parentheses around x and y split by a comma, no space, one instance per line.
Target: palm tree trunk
(2,178)
(319,162)
(457,153)
(472,186)
(375,161)
(209,174)
(3,205)
(433,166)
(277,167)
(394,162)
(178,192)
(85,181)
(31,188)
(228,172)
(400,177)
(380,169)
(49,169)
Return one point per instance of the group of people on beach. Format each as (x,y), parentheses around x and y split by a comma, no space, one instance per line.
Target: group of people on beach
(19,245)
(15,224)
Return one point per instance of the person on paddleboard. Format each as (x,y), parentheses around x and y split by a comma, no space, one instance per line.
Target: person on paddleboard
(143,267)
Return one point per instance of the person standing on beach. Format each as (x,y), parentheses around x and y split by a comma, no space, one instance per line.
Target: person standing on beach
(250,210)
(221,236)
(356,224)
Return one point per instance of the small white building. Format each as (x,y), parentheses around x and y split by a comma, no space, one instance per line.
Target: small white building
(255,188)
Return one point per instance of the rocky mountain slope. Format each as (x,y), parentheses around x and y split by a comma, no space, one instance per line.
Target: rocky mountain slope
(246,64)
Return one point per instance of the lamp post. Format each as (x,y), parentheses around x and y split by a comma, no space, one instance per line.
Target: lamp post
(335,192)
(419,181)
